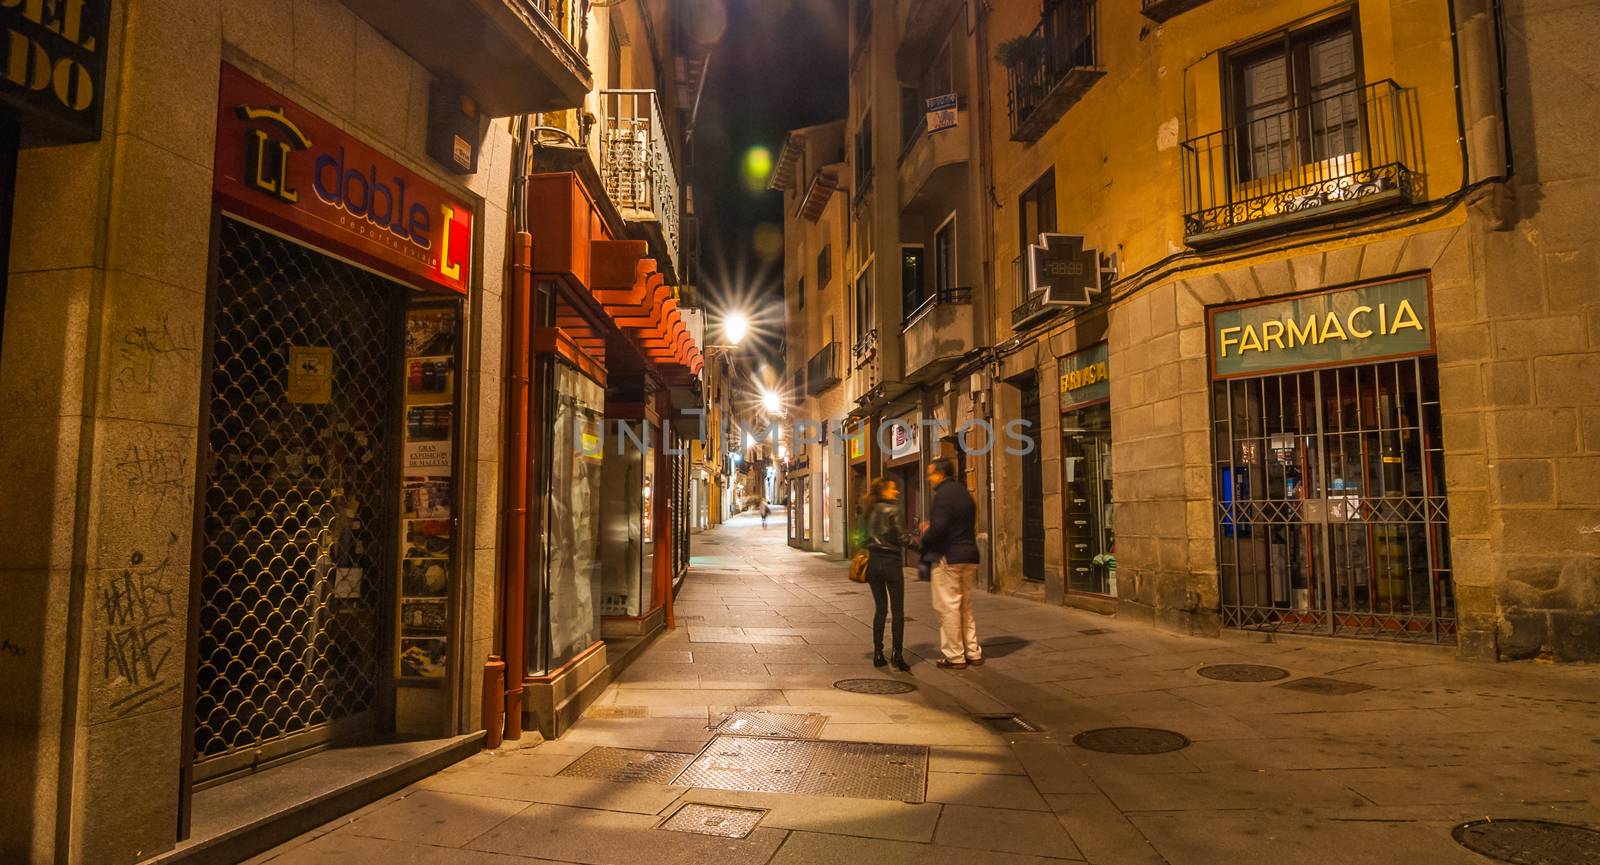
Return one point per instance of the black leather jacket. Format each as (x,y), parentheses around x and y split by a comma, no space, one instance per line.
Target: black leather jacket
(885,533)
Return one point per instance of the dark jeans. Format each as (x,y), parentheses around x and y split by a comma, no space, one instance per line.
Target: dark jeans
(888,584)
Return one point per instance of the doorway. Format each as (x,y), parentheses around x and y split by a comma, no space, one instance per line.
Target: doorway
(1032,485)
(1331,504)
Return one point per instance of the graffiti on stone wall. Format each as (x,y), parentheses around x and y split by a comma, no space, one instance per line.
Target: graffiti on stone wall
(9,649)
(149,350)
(158,474)
(138,605)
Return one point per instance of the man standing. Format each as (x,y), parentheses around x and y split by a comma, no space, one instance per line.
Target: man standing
(950,533)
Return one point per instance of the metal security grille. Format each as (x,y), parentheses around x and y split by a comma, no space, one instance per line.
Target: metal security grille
(1331,513)
(296,540)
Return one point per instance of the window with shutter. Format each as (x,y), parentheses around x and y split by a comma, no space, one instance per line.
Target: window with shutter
(1296,101)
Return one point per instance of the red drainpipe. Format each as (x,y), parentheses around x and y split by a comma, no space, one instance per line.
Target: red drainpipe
(514,582)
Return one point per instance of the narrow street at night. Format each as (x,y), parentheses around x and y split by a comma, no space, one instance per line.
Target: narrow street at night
(1269,771)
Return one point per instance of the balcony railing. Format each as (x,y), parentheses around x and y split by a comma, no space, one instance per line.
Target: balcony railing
(865,348)
(1351,151)
(636,163)
(937,298)
(1052,67)
(567,17)
(822,370)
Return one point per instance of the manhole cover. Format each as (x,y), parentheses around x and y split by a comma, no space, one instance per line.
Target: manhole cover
(1530,842)
(628,765)
(1243,673)
(714,820)
(746,723)
(874,686)
(855,770)
(617,712)
(1095,632)
(1325,687)
(1130,740)
(1009,724)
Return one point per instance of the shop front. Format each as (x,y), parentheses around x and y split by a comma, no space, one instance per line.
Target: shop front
(901,441)
(801,501)
(328,570)
(1090,543)
(1329,472)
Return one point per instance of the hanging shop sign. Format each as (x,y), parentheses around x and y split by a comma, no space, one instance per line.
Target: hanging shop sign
(1361,324)
(858,444)
(283,166)
(1061,273)
(941,112)
(53,67)
(900,438)
(1085,377)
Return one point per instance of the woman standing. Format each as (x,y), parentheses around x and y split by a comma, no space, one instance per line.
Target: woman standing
(885,539)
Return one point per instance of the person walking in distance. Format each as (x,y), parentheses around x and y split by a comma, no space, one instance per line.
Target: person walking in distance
(885,538)
(950,534)
(765,511)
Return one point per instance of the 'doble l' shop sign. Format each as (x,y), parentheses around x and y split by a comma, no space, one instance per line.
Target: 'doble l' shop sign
(283,166)
(1365,323)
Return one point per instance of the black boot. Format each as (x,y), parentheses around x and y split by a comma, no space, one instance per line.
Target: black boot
(877,659)
(900,663)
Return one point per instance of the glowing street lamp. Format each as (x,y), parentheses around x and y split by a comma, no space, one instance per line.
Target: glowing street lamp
(734,327)
(771,401)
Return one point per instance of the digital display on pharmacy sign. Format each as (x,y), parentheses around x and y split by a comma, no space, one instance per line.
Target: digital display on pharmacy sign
(53,71)
(1365,323)
(1085,377)
(288,169)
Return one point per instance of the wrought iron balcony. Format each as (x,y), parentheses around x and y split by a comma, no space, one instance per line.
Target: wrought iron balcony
(1163,10)
(526,56)
(937,333)
(941,297)
(637,166)
(1052,67)
(1352,151)
(822,370)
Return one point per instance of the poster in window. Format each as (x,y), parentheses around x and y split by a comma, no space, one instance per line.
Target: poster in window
(426,497)
(423,617)
(422,657)
(427,451)
(310,375)
(431,332)
(427,539)
(424,578)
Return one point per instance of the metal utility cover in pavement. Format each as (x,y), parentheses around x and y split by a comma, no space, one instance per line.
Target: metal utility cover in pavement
(1007,723)
(1325,687)
(1243,673)
(785,726)
(717,820)
(1131,740)
(874,686)
(1530,842)
(628,765)
(856,770)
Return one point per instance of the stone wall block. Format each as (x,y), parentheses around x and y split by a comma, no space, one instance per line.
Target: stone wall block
(169,76)
(46,337)
(382,86)
(1572,379)
(491,394)
(1341,266)
(1570,278)
(33,629)
(1455,304)
(1380,257)
(1532,337)
(1524,482)
(1163,309)
(132,792)
(486,499)
(1423,250)
(136,635)
(1240,284)
(1510,263)
(1465,471)
(1547,532)
(152,351)
(59,212)
(40,466)
(1472,561)
(160,216)
(1306,271)
(262,29)
(144,488)
(325,53)
(1462,344)
(1577,481)
(1461,386)
(1538,432)
(1508,383)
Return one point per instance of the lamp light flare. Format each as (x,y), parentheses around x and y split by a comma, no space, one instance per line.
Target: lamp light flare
(734,327)
(771,401)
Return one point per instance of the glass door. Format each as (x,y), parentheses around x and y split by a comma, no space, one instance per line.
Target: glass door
(1086,464)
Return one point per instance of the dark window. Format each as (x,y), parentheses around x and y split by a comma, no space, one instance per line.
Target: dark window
(864,155)
(1296,101)
(910,115)
(944,257)
(1036,210)
(824,267)
(614,63)
(864,304)
(800,292)
(913,265)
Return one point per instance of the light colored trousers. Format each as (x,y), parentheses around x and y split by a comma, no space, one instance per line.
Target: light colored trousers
(952,602)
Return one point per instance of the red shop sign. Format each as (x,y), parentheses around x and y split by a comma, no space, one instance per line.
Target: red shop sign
(281,165)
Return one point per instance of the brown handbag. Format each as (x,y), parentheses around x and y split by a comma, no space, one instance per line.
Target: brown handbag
(858,567)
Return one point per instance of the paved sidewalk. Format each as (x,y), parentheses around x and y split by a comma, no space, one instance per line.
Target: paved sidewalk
(1409,743)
